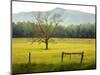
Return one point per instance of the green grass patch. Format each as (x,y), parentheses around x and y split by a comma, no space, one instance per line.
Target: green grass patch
(42,67)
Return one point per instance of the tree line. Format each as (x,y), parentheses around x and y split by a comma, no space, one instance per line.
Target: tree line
(29,29)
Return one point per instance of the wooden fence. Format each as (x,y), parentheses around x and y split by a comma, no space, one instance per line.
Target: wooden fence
(65,53)
(72,53)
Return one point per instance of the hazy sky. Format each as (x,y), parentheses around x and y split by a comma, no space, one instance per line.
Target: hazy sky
(26,7)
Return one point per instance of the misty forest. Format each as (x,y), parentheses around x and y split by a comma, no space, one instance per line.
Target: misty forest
(29,29)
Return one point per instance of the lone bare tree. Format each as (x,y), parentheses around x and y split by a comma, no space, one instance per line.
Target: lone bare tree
(46,26)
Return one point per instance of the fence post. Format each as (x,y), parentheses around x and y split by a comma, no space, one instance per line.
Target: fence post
(29,58)
(62,56)
(70,58)
(82,55)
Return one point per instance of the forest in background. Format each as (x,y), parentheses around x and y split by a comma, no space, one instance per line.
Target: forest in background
(29,29)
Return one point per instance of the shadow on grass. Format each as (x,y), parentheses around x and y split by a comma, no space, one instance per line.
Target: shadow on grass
(41,67)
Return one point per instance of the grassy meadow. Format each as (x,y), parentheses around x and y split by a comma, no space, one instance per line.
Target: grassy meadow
(50,60)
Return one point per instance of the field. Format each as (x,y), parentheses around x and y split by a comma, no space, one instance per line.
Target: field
(50,60)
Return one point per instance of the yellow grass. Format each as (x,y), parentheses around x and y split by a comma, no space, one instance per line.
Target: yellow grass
(22,46)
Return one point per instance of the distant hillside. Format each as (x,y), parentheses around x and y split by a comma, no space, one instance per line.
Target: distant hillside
(68,16)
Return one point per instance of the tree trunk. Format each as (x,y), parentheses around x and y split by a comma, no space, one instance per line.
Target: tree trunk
(46,44)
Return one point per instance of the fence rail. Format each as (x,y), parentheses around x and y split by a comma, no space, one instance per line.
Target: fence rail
(72,53)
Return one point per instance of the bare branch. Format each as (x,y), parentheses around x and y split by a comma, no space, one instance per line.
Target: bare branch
(38,18)
(56,21)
